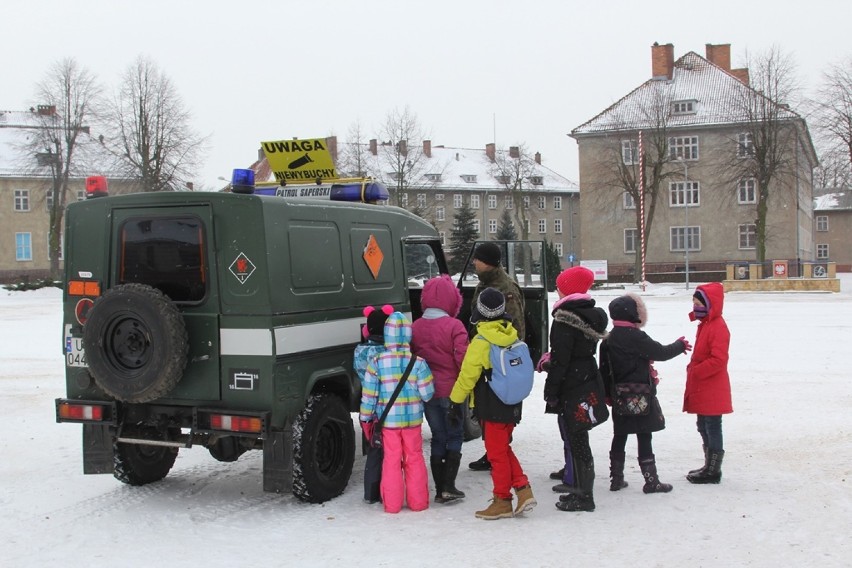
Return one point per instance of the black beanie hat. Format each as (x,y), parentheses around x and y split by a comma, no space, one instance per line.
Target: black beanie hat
(376,320)
(489,253)
(490,305)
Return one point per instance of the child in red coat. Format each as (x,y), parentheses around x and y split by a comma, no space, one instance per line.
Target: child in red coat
(708,387)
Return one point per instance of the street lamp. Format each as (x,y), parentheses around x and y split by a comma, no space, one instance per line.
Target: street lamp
(685,217)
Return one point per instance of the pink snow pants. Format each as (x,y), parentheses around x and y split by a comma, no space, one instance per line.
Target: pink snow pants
(404,470)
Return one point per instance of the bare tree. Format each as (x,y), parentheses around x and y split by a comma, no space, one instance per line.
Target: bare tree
(833,121)
(401,159)
(70,95)
(153,136)
(353,160)
(765,148)
(515,170)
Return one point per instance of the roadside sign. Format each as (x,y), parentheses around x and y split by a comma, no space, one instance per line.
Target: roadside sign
(599,267)
(299,161)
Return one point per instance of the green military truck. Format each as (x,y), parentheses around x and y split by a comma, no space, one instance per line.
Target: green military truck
(228,321)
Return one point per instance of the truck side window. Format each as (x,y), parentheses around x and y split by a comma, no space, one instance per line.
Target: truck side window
(420,264)
(164,253)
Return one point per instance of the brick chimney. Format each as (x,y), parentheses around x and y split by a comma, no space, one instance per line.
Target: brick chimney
(662,61)
(374,147)
(427,148)
(402,146)
(538,158)
(46,110)
(719,55)
(331,143)
(741,74)
(514,152)
(490,151)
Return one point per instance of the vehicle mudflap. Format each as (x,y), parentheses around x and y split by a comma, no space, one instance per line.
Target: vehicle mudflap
(278,460)
(97,449)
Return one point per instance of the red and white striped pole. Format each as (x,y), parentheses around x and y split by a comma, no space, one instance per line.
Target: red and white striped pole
(642,206)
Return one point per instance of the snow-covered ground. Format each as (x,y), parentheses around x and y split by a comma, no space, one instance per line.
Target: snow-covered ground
(785,498)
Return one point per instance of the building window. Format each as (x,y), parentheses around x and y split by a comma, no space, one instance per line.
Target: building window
(822,252)
(748,236)
(631,240)
(421,200)
(439,197)
(457,200)
(822,223)
(683,107)
(509,202)
(629,152)
(492,202)
(536,180)
(61,248)
(443,236)
(629,202)
(683,147)
(542,226)
(492,226)
(746,191)
(557,203)
(48,199)
(81,196)
(22,200)
(681,237)
(476,226)
(23,246)
(684,193)
(557,226)
(527,226)
(526,202)
(468,178)
(745,145)
(433,177)
(403,199)
(542,202)
(558,247)
(502,178)
(474,202)
(439,213)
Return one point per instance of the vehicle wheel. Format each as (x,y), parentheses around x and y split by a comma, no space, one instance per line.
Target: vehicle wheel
(137,464)
(136,343)
(323,449)
(226,449)
(472,428)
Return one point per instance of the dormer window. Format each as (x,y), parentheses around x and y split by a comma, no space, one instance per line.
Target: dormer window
(435,178)
(684,107)
(536,180)
(504,179)
(468,178)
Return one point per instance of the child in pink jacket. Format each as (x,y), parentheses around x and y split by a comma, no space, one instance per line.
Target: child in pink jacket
(441,339)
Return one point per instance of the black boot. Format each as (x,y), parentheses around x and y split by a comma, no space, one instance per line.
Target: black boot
(557,475)
(648,465)
(703,468)
(482,464)
(451,470)
(713,473)
(616,471)
(438,473)
(583,500)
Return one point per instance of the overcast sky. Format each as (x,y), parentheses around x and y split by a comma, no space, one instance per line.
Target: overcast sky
(528,72)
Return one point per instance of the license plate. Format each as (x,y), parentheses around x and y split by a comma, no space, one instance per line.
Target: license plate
(75,355)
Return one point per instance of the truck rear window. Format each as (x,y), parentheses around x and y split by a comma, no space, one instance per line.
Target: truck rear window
(165,253)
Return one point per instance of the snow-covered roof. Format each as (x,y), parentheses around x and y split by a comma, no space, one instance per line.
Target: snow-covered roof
(19,128)
(716,93)
(451,164)
(833,201)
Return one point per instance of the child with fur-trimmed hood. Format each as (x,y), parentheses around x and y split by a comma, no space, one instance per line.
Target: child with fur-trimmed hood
(627,356)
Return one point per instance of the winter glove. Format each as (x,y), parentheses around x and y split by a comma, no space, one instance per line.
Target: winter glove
(687,346)
(455,414)
(543,363)
(653,372)
(367,428)
(608,401)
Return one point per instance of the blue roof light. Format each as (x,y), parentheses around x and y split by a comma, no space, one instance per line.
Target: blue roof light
(367,192)
(242,181)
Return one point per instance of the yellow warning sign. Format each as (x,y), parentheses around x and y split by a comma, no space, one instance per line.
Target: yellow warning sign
(299,161)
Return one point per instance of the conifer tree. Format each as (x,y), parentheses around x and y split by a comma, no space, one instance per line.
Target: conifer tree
(462,238)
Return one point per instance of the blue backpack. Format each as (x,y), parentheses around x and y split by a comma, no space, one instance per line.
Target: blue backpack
(511,372)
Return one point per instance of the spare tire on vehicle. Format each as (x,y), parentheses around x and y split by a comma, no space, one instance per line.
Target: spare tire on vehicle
(136,343)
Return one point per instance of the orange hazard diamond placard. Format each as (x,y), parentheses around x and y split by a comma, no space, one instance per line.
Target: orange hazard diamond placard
(373,256)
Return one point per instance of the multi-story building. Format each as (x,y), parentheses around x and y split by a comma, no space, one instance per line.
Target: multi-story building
(26,193)
(692,120)
(441,180)
(833,228)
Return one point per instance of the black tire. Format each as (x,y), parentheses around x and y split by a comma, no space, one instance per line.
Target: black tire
(137,464)
(226,449)
(323,449)
(136,343)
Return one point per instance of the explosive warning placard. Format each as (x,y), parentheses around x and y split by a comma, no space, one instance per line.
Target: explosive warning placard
(299,161)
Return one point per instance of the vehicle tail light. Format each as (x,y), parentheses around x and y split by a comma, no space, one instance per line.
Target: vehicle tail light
(87,412)
(233,423)
(89,288)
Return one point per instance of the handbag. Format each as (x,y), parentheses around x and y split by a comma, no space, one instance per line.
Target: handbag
(629,399)
(375,454)
(585,407)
